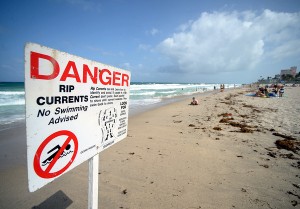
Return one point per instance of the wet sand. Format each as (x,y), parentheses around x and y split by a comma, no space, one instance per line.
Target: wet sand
(231,151)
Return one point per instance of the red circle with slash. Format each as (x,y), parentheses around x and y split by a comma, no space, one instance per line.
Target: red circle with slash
(46,173)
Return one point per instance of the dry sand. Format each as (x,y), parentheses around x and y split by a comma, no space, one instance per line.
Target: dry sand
(219,154)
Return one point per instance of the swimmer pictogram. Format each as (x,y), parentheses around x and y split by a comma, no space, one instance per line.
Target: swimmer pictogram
(56,149)
(45,167)
(107,121)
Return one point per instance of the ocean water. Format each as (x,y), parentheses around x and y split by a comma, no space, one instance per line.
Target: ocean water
(143,94)
(12,104)
(12,97)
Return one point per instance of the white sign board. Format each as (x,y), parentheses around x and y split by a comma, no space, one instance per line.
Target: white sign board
(75,108)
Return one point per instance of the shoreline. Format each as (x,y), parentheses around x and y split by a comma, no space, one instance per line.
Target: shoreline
(167,101)
(179,156)
(132,112)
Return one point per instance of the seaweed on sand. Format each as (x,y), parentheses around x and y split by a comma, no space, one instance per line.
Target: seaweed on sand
(217,128)
(288,144)
(225,120)
(244,128)
(225,114)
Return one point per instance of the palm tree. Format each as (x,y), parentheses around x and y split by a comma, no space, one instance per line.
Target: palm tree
(287,77)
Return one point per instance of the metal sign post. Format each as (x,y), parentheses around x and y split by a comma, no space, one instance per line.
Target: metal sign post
(93,182)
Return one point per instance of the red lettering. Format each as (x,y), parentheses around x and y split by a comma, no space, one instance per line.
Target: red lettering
(125,79)
(116,78)
(35,70)
(86,70)
(108,78)
(66,74)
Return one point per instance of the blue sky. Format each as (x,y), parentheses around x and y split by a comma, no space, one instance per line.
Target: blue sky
(159,40)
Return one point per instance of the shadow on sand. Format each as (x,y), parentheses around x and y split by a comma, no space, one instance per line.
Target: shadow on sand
(59,200)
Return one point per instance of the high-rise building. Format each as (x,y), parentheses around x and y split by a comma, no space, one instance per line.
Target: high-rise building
(292,71)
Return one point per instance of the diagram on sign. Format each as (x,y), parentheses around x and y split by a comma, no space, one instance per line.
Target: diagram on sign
(55,154)
(107,121)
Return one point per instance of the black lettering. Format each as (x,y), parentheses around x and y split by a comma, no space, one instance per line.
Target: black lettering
(49,100)
(39,102)
(71,99)
(57,100)
(62,88)
(51,121)
(64,99)
(57,111)
(43,113)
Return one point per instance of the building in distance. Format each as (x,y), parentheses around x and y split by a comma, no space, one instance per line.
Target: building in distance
(292,72)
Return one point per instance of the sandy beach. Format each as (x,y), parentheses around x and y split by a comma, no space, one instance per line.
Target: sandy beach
(230,151)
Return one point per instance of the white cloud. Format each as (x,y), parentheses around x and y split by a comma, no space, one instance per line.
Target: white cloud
(144,47)
(226,42)
(98,50)
(152,32)
(126,65)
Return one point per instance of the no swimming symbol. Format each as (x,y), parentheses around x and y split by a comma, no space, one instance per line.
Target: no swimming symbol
(44,167)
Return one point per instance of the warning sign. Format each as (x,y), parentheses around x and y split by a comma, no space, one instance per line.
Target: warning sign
(75,108)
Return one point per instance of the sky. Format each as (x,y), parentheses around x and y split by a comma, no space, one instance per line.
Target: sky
(178,41)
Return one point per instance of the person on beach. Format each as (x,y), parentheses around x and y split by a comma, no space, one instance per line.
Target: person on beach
(281,91)
(259,93)
(274,90)
(222,87)
(266,92)
(194,101)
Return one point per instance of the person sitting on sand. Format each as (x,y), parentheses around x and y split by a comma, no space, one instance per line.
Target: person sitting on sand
(261,89)
(260,93)
(274,90)
(194,101)
(266,92)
